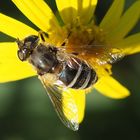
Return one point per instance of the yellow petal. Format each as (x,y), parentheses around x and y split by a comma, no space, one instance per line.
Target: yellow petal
(38,12)
(14,28)
(71,9)
(109,87)
(68,10)
(86,10)
(127,22)
(11,68)
(130,45)
(77,100)
(112,16)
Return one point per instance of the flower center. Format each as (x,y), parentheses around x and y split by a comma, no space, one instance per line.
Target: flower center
(87,40)
(86,35)
(90,41)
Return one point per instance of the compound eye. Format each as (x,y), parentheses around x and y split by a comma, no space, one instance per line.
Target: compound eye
(23,54)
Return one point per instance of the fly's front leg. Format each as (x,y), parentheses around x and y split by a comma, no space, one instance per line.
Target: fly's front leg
(43,36)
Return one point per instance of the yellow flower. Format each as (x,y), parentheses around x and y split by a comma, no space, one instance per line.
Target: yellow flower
(109,39)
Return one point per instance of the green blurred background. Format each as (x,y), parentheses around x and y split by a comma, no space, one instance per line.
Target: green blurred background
(27,114)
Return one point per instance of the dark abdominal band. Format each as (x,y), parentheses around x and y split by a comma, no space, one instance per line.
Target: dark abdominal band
(80,78)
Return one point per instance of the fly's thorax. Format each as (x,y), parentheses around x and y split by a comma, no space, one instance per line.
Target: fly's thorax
(44,59)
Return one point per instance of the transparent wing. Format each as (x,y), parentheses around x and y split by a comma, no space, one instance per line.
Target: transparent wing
(102,54)
(65,104)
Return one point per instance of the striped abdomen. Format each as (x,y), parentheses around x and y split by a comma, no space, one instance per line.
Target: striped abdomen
(77,74)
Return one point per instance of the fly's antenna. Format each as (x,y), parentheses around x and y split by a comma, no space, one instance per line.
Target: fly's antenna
(19,43)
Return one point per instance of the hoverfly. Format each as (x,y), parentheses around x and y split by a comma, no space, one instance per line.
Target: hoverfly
(58,71)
